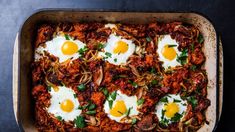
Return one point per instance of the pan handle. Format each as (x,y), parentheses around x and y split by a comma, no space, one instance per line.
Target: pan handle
(221,77)
(15,78)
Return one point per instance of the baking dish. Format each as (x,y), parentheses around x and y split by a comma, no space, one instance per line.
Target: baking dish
(23,55)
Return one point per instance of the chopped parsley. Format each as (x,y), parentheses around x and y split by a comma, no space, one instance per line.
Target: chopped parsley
(80,122)
(59,118)
(108,54)
(91,107)
(182,58)
(128,111)
(193,67)
(164,99)
(200,38)
(192,47)
(91,112)
(193,101)
(148,39)
(134,120)
(154,82)
(75,95)
(82,50)
(140,101)
(100,46)
(105,91)
(176,100)
(164,121)
(134,84)
(176,117)
(163,113)
(110,103)
(153,70)
(81,87)
(113,95)
(83,107)
(49,88)
(172,45)
(66,37)
(115,60)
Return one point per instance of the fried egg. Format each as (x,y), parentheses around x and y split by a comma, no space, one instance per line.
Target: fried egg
(110,25)
(61,47)
(120,106)
(64,103)
(168,51)
(171,108)
(117,50)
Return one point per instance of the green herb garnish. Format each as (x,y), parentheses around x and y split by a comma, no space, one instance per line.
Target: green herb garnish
(182,58)
(108,54)
(176,117)
(49,88)
(164,99)
(81,87)
(193,67)
(75,95)
(59,118)
(200,38)
(193,101)
(172,45)
(134,84)
(140,101)
(115,60)
(66,36)
(154,82)
(176,100)
(113,95)
(164,121)
(91,107)
(134,120)
(163,113)
(128,111)
(153,70)
(110,104)
(83,107)
(100,46)
(80,122)
(148,39)
(91,112)
(105,91)
(82,50)
(192,47)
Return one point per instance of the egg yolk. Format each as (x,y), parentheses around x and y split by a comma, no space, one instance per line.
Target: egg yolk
(69,48)
(120,47)
(67,105)
(118,109)
(56,89)
(169,52)
(171,110)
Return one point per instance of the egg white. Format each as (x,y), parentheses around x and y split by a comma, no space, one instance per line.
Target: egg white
(117,59)
(163,41)
(57,97)
(110,25)
(130,102)
(170,97)
(54,47)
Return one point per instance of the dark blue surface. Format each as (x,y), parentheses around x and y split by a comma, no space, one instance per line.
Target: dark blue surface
(13,14)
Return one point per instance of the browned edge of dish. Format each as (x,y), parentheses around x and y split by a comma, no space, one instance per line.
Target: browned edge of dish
(23,115)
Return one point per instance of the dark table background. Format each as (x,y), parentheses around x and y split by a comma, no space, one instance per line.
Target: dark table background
(14,12)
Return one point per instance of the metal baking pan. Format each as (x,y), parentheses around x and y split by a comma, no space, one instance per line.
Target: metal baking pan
(24,50)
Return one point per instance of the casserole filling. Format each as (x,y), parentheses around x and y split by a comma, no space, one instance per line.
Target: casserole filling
(119,77)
